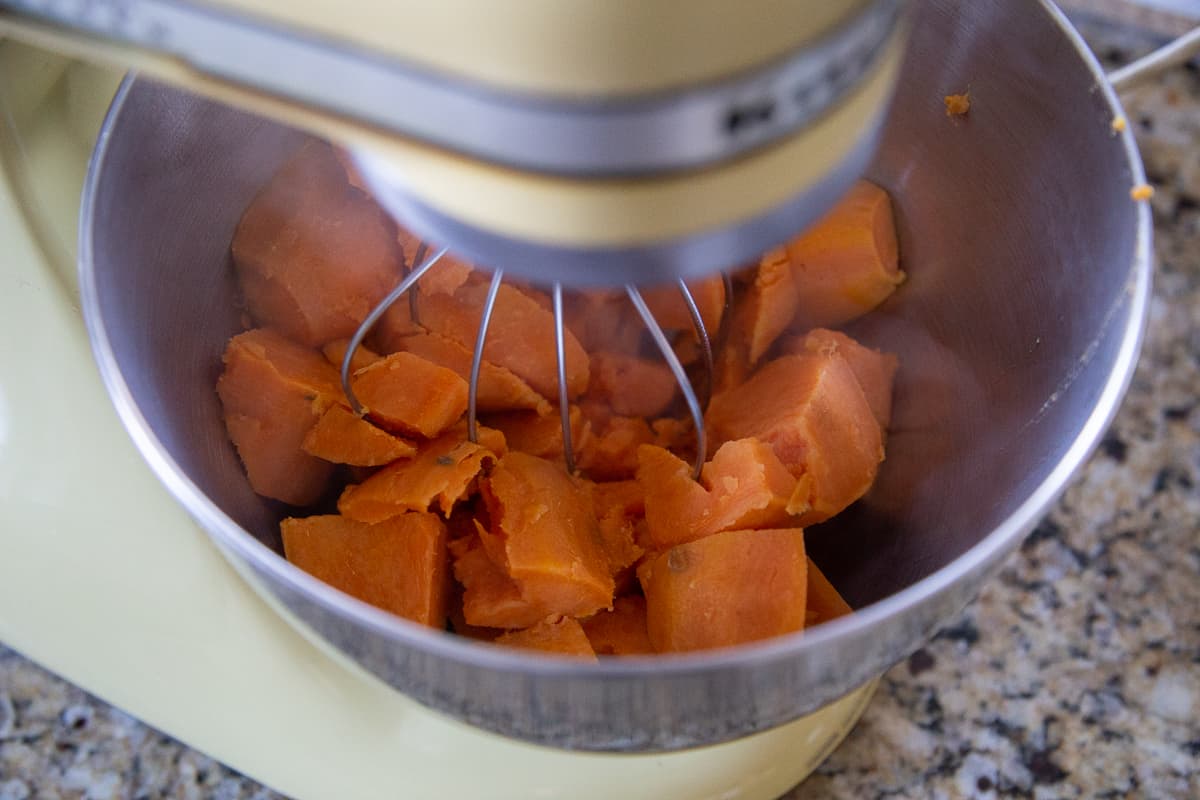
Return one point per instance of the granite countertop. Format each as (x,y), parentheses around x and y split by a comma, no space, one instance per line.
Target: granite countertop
(1076,673)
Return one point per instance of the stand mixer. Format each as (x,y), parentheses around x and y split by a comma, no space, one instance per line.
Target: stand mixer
(591,144)
(462,194)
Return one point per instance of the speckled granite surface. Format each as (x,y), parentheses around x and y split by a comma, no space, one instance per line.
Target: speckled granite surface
(1075,674)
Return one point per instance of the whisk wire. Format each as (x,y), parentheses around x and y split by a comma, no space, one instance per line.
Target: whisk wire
(706,350)
(685,385)
(372,318)
(485,320)
(413,310)
(564,408)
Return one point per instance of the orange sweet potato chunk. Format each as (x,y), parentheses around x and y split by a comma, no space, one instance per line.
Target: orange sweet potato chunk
(631,386)
(744,486)
(562,636)
(670,310)
(875,370)
(603,320)
(848,262)
(620,507)
(543,532)
(313,253)
(539,434)
(726,589)
(411,395)
(769,306)
(441,473)
(611,454)
(812,412)
(396,323)
(622,497)
(622,631)
(444,277)
(342,437)
(458,618)
(272,392)
(824,601)
(490,598)
(335,353)
(499,388)
(398,565)
(520,335)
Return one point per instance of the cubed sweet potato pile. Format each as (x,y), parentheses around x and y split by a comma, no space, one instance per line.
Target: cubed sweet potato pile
(493,539)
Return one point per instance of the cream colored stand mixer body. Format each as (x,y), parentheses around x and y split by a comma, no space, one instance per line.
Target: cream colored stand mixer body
(587,142)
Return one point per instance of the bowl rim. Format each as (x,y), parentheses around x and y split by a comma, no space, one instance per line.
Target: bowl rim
(232,539)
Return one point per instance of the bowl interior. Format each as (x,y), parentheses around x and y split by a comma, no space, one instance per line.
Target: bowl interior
(1016,232)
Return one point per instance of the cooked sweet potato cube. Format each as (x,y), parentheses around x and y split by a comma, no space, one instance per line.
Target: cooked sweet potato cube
(611,454)
(812,411)
(342,437)
(619,507)
(543,532)
(539,434)
(744,486)
(622,631)
(499,389)
(624,497)
(725,589)
(444,277)
(313,253)
(396,323)
(272,392)
(670,310)
(824,601)
(631,386)
(490,599)
(410,395)
(398,565)
(562,636)
(847,263)
(520,335)
(769,305)
(335,353)
(441,473)
(603,320)
(875,370)
(458,618)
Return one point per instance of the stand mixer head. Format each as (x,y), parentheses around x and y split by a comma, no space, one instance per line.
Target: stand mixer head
(588,144)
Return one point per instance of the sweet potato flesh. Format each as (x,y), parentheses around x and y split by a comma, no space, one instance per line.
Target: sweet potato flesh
(745,485)
(874,370)
(342,437)
(545,535)
(813,413)
(562,636)
(622,631)
(499,389)
(411,395)
(848,262)
(398,565)
(631,386)
(520,335)
(272,392)
(824,601)
(726,589)
(313,253)
(629,554)
(439,475)
(491,598)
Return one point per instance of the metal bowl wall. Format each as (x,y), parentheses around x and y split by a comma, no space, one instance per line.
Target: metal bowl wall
(1017,333)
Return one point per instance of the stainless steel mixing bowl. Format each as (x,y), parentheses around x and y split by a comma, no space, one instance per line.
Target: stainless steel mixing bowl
(1017,333)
